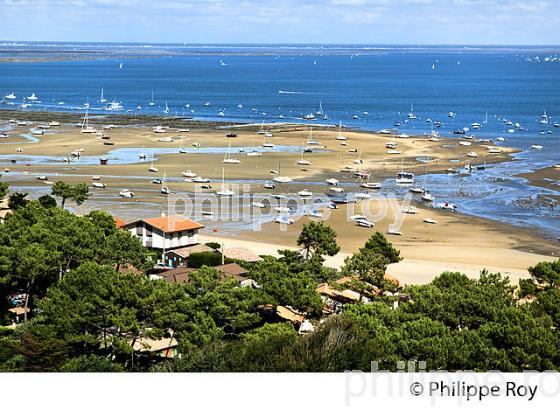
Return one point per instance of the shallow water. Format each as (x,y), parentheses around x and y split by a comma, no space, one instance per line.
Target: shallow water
(477,85)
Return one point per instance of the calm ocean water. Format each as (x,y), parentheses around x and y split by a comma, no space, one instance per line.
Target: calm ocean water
(377,85)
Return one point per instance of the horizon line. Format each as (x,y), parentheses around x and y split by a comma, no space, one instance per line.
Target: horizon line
(328,44)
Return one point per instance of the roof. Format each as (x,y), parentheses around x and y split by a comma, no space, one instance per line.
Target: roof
(146,344)
(177,275)
(119,222)
(19,310)
(186,251)
(233,270)
(169,224)
(242,254)
(181,274)
(289,314)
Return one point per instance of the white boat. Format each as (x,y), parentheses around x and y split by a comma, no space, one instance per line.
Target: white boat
(166,139)
(340,137)
(394,231)
(254,154)
(465,143)
(544,118)
(266,143)
(96,178)
(10,96)
(99,185)
(86,129)
(228,157)
(32,97)
(358,218)
(188,174)
(281,179)
(332,181)
(371,185)
(311,139)
(224,191)
(152,168)
(364,223)
(429,221)
(166,110)
(54,124)
(404,178)
(536,147)
(428,197)
(125,193)
(114,106)
(102,99)
(152,103)
(164,190)
(305,193)
(416,190)
(42,178)
(393,151)
(447,206)
(494,150)
(475,125)
(269,185)
(336,189)
(472,154)
(200,180)
(283,219)
(258,204)
(313,213)
(501,139)
(411,210)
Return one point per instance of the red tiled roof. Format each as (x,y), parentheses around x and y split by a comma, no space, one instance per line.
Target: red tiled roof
(175,223)
(119,222)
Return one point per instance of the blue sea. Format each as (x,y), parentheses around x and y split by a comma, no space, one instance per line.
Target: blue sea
(367,87)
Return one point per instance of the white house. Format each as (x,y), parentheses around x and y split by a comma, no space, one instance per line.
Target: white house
(165,232)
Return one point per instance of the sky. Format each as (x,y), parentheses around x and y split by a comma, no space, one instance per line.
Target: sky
(495,22)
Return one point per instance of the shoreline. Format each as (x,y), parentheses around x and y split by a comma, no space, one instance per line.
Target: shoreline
(458,241)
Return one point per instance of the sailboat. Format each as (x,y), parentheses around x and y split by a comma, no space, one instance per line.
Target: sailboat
(102,99)
(228,159)
(340,137)
(280,179)
(266,143)
(86,129)
(369,185)
(224,191)
(311,139)
(254,152)
(152,103)
(404,178)
(544,118)
(303,161)
(10,96)
(418,190)
(164,188)
(411,115)
(152,168)
(166,108)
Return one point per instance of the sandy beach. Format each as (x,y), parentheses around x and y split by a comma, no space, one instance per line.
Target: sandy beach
(455,242)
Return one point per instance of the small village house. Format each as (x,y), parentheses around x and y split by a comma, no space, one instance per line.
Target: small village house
(165,232)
